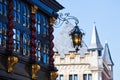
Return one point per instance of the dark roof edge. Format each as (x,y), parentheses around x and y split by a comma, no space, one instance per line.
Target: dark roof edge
(47,6)
(53,4)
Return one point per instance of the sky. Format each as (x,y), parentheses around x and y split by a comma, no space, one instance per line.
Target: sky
(106,15)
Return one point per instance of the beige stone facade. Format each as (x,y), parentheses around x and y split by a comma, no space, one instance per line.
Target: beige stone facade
(88,64)
(78,65)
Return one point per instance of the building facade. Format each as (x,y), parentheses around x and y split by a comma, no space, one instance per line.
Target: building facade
(87,64)
(26,39)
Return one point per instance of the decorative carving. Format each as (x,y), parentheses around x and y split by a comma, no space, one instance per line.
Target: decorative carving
(72,54)
(51,52)
(53,75)
(34,9)
(12,60)
(52,20)
(35,69)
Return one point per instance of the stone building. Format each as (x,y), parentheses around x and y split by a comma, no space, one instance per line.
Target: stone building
(89,63)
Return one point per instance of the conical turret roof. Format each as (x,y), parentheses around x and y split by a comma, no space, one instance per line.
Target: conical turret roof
(95,42)
(107,56)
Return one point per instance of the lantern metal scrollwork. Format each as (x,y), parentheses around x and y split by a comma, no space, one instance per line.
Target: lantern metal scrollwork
(75,33)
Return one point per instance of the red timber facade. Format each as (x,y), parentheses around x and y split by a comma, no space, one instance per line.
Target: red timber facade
(26,39)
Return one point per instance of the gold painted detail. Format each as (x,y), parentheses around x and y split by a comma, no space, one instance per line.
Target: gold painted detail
(34,9)
(12,60)
(72,54)
(35,69)
(52,20)
(53,75)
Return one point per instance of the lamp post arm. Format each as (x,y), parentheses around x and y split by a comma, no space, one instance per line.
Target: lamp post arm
(64,18)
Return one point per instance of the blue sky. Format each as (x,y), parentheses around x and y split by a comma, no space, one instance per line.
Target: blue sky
(106,14)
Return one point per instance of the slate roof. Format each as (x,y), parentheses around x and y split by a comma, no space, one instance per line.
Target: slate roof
(107,56)
(63,41)
(95,41)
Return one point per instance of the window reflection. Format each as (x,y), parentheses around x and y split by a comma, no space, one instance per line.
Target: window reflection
(18,46)
(14,15)
(75,77)
(28,51)
(4,29)
(61,77)
(84,76)
(0,8)
(24,49)
(18,6)
(18,35)
(24,38)
(18,17)
(5,1)
(38,29)
(14,4)
(0,0)
(24,10)
(26,44)
(0,27)
(16,38)
(44,58)
(89,76)
(4,10)
(24,20)
(0,39)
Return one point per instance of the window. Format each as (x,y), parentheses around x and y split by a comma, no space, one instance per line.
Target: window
(99,53)
(26,44)
(61,77)
(4,29)
(87,76)
(24,20)
(0,0)
(5,1)
(70,77)
(4,10)
(0,40)
(73,77)
(3,32)
(44,58)
(4,41)
(37,25)
(38,52)
(84,76)
(14,15)
(14,4)
(16,38)
(0,27)
(18,6)
(0,8)
(24,10)
(18,17)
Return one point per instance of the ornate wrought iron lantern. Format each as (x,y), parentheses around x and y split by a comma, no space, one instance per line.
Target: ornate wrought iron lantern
(75,33)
